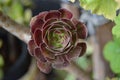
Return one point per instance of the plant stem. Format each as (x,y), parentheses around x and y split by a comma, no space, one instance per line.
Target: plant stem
(20,31)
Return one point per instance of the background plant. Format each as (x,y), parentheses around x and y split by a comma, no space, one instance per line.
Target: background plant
(109,9)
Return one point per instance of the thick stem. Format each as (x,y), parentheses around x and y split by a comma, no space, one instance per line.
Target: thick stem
(20,31)
(33,73)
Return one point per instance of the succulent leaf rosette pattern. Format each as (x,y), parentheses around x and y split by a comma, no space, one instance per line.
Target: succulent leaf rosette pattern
(56,39)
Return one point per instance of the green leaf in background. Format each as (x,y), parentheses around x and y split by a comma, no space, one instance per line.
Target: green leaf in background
(107,8)
(60,74)
(116,31)
(1,61)
(116,28)
(5,2)
(72,1)
(82,62)
(114,78)
(115,64)
(1,65)
(27,15)
(117,40)
(27,2)
(112,50)
(112,55)
(70,77)
(1,74)
(16,12)
(118,1)
(117,20)
(1,43)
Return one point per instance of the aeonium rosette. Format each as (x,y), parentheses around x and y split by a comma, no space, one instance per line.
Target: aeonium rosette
(56,39)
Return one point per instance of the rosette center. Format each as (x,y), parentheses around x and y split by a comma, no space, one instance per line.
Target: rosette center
(58,39)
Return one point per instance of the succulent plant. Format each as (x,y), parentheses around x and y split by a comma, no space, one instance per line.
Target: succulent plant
(56,39)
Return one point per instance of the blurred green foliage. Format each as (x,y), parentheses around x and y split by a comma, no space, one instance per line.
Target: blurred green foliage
(1,43)
(115,78)
(60,74)
(1,58)
(112,48)
(1,61)
(70,77)
(15,9)
(107,8)
(83,62)
(1,74)
(112,54)
(116,28)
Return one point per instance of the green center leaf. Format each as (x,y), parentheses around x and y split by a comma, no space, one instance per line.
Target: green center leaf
(58,39)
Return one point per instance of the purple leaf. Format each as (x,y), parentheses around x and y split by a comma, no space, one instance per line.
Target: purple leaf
(36,23)
(39,55)
(31,47)
(65,13)
(81,30)
(44,67)
(52,14)
(38,36)
(46,52)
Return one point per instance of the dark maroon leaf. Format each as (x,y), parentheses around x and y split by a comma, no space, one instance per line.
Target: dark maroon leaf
(38,36)
(48,22)
(52,14)
(69,23)
(77,51)
(74,38)
(83,48)
(48,27)
(75,21)
(39,55)
(46,52)
(81,30)
(36,23)
(63,24)
(42,15)
(31,47)
(68,49)
(44,67)
(61,64)
(65,13)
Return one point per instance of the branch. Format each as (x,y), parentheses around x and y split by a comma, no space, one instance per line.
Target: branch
(98,65)
(20,31)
